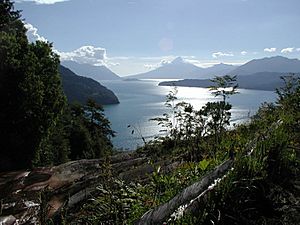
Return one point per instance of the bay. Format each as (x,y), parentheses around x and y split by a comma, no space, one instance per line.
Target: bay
(141,100)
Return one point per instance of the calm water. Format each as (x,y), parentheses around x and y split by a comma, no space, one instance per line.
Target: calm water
(143,100)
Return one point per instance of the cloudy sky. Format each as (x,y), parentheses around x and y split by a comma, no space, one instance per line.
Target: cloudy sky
(133,36)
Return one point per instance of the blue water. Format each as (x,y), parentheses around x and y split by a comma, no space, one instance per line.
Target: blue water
(143,100)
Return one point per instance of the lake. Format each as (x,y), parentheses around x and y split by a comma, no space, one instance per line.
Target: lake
(142,100)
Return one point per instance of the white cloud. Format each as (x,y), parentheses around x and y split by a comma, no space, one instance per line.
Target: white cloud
(244,53)
(86,54)
(298,49)
(47,2)
(210,63)
(287,50)
(156,65)
(164,62)
(220,54)
(270,50)
(192,61)
(32,33)
(150,66)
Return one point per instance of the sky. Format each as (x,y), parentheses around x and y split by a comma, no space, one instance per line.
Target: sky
(135,36)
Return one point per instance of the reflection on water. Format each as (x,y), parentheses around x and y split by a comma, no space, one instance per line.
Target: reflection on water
(144,99)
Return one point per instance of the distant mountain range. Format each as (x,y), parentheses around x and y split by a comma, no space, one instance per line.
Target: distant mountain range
(260,74)
(277,64)
(263,74)
(179,69)
(79,89)
(88,70)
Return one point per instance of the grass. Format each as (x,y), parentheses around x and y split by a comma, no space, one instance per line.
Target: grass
(263,187)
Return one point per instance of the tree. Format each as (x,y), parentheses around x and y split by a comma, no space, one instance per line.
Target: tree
(183,124)
(31,96)
(99,128)
(168,121)
(56,148)
(225,86)
(89,132)
(10,19)
(289,102)
(218,113)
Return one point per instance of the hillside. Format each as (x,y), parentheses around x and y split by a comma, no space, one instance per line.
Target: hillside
(94,72)
(79,89)
(249,176)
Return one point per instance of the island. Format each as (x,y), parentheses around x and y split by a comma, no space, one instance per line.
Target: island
(267,81)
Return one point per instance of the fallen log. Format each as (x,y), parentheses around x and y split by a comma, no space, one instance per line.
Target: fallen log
(32,196)
(160,214)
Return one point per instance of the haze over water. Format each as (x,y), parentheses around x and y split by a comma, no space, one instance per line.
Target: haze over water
(144,99)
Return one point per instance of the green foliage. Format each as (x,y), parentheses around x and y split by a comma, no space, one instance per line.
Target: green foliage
(37,128)
(224,86)
(10,19)
(112,205)
(289,103)
(261,189)
(218,113)
(31,99)
(182,124)
(190,130)
(114,202)
(36,125)
(203,164)
(168,121)
(89,132)
(218,117)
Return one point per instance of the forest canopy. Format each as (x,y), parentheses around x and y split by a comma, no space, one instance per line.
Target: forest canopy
(36,124)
